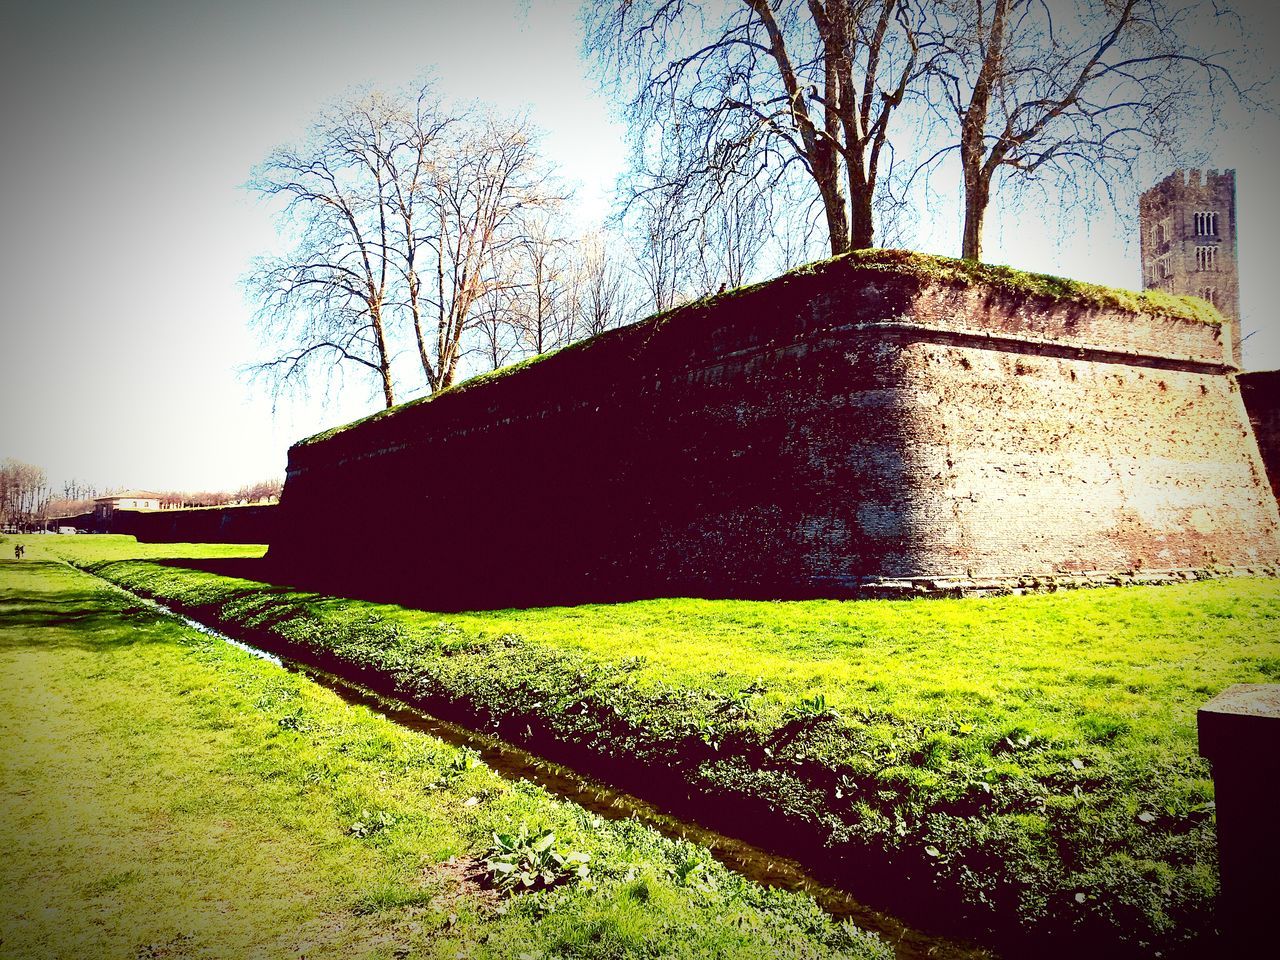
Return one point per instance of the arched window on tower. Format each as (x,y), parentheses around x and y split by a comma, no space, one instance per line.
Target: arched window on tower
(1206,257)
(1206,224)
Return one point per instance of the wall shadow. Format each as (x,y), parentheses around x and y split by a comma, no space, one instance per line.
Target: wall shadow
(71,615)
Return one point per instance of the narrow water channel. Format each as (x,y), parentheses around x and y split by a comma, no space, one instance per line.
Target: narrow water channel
(514,763)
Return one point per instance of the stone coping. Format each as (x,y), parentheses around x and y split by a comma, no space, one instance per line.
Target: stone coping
(1242,723)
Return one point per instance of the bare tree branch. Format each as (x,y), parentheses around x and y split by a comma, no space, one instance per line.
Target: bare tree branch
(1074,92)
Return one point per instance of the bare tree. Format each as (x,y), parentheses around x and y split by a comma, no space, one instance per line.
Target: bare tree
(733,236)
(664,243)
(77,497)
(74,489)
(494,323)
(755,90)
(331,298)
(1069,90)
(545,290)
(490,186)
(259,492)
(24,493)
(399,211)
(603,298)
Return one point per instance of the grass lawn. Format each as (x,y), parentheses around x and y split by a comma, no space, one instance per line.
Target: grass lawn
(165,794)
(1033,757)
(86,547)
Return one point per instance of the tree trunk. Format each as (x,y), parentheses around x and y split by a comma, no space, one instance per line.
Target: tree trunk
(834,207)
(861,187)
(978,170)
(384,359)
(862,230)
(387,394)
(977,194)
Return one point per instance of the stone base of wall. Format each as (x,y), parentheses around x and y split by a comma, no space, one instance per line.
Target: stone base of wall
(902,588)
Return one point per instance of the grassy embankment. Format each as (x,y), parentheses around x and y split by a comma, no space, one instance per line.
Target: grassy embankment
(165,794)
(1033,758)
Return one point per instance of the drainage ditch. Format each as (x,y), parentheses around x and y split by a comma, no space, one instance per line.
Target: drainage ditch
(514,763)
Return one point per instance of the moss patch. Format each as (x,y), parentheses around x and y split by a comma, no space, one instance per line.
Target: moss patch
(1007,279)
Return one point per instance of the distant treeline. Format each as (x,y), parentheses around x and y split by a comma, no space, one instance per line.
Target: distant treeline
(264,491)
(24,493)
(28,500)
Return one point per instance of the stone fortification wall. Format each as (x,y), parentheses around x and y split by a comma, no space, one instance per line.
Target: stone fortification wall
(232,524)
(1261,390)
(865,424)
(81,522)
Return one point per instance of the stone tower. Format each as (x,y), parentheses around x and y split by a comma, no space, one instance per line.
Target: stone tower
(1188,224)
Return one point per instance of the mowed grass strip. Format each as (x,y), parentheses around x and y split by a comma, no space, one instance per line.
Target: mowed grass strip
(1034,757)
(166,794)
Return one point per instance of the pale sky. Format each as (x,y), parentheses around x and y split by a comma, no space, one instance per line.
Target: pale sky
(131,126)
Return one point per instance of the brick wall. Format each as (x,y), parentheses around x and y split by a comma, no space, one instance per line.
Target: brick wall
(232,524)
(1261,390)
(825,433)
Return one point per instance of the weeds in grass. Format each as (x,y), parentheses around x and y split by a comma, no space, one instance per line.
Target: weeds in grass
(707,732)
(521,860)
(371,823)
(812,708)
(690,872)
(294,720)
(464,759)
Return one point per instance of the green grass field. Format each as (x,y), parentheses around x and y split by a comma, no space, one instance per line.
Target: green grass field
(1034,757)
(164,794)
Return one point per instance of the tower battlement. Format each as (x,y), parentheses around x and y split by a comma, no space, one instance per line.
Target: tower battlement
(1208,179)
(1188,236)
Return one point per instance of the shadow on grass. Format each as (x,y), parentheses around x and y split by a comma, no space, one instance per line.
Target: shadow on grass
(256,569)
(52,609)
(408,588)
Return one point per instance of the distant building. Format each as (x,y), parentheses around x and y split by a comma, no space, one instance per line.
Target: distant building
(1188,224)
(104,508)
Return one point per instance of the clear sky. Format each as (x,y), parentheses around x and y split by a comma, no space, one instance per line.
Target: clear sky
(129,128)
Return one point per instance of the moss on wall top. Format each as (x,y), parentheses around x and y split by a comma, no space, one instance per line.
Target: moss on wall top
(925,267)
(1007,279)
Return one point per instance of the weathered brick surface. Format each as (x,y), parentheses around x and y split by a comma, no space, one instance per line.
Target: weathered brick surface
(828,433)
(1261,390)
(1044,465)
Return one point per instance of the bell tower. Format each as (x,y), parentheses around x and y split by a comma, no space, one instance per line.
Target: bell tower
(1188,224)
